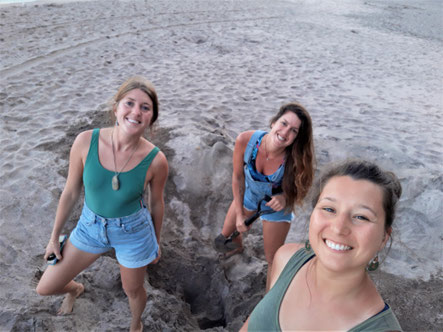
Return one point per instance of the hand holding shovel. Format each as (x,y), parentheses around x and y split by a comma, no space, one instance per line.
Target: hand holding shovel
(223,244)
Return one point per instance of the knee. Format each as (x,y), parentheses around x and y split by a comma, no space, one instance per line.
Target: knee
(134,291)
(47,287)
(42,290)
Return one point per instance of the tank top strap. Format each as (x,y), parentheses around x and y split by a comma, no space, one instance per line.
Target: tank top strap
(265,316)
(92,156)
(146,162)
(251,144)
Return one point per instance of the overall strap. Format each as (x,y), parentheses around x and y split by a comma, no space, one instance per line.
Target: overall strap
(255,136)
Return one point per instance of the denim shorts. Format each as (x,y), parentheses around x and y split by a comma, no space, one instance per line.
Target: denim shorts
(132,237)
(250,202)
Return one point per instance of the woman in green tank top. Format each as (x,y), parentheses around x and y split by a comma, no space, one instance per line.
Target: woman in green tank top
(324,285)
(116,166)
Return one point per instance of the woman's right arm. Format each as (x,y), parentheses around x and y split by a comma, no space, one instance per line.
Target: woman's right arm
(72,190)
(238,178)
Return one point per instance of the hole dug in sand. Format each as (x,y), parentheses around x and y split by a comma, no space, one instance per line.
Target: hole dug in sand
(200,281)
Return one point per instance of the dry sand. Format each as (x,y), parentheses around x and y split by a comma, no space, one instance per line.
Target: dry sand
(369,72)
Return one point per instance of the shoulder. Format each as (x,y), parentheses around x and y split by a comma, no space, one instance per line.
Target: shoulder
(159,163)
(148,147)
(80,147)
(281,258)
(243,138)
(160,160)
(82,141)
(84,136)
(285,252)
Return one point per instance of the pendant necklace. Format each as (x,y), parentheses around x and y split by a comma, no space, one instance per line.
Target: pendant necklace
(265,139)
(115,181)
(266,150)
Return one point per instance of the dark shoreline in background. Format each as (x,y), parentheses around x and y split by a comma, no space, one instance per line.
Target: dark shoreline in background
(407,17)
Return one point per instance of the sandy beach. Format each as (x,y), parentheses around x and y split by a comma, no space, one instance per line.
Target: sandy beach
(369,72)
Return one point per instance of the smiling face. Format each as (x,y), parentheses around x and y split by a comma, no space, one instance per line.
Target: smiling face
(134,111)
(284,130)
(347,226)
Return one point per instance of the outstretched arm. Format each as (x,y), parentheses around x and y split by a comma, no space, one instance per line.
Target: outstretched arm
(72,190)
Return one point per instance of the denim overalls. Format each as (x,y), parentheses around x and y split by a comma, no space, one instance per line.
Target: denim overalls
(256,190)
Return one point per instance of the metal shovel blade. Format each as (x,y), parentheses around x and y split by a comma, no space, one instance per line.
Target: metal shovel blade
(223,244)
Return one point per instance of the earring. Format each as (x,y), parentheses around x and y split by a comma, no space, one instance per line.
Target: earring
(307,246)
(116,122)
(373,264)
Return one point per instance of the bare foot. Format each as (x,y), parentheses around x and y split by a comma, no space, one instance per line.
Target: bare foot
(68,302)
(138,329)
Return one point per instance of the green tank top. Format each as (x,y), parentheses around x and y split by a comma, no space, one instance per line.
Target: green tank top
(265,316)
(100,197)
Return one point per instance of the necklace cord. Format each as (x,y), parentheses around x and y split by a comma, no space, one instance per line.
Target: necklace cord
(113,155)
(265,140)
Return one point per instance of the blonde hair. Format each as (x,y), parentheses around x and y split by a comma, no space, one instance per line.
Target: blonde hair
(136,82)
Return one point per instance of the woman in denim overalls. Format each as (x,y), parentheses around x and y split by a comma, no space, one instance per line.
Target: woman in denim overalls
(278,164)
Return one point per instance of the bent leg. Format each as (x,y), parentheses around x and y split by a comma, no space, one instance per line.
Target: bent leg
(229,223)
(57,279)
(229,227)
(132,281)
(274,236)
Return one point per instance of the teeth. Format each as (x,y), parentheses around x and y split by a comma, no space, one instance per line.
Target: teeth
(133,121)
(336,246)
(280,138)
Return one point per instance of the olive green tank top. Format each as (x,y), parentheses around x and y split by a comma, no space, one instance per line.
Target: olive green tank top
(265,316)
(100,197)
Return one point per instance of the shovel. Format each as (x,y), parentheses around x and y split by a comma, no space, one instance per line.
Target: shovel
(223,244)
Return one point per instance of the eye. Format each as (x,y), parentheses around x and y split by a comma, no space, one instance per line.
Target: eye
(362,218)
(284,123)
(145,108)
(328,209)
(129,103)
(295,131)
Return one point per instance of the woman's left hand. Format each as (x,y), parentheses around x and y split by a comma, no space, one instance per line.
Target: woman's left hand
(277,202)
(155,261)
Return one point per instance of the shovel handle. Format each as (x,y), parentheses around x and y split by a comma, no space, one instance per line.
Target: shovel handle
(233,236)
(252,218)
(248,221)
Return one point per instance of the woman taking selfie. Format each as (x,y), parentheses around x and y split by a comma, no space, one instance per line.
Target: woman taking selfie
(324,284)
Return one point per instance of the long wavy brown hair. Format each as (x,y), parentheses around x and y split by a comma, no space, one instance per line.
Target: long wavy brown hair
(300,157)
